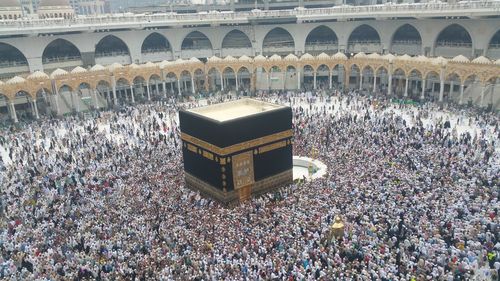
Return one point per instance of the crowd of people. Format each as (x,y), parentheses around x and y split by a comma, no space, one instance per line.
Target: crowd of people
(102,198)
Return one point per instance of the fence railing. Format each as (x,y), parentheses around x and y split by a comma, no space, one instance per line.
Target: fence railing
(98,21)
(61,59)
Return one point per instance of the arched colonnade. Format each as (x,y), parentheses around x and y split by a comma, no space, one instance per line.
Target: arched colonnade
(388,74)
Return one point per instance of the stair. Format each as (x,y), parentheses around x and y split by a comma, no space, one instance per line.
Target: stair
(67,106)
(101,101)
(85,100)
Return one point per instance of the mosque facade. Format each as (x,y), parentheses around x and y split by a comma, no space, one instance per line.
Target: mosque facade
(435,34)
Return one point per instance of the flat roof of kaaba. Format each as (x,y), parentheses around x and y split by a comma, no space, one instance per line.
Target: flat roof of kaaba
(235,109)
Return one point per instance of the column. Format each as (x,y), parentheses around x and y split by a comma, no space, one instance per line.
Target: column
(207,84)
(360,80)
(96,103)
(148,87)
(284,80)
(406,87)
(13,113)
(179,86)
(236,79)
(314,75)
(481,103)
(330,80)
(450,95)
(108,95)
(164,88)
(56,100)
(269,80)
(253,82)
(221,82)
(347,77)
(172,87)
(374,82)
(35,110)
(298,79)
(77,106)
(461,100)
(422,96)
(441,90)
(193,90)
(389,90)
(132,93)
(115,100)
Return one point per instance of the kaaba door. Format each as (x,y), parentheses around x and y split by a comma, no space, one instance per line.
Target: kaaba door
(245,193)
(243,174)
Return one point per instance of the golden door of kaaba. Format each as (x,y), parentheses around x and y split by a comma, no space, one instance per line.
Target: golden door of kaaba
(245,193)
(243,174)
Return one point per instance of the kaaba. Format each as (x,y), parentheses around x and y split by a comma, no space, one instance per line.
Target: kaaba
(237,149)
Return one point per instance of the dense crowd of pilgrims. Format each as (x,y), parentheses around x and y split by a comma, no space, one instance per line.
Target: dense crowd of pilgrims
(102,198)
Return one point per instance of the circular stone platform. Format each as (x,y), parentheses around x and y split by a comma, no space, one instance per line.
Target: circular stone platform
(301,168)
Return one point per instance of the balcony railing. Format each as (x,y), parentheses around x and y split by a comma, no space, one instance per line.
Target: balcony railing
(111,54)
(156,50)
(61,59)
(407,42)
(472,8)
(454,44)
(6,64)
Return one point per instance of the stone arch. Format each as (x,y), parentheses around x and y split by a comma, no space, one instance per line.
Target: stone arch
(123,91)
(154,77)
(156,43)
(399,77)
(382,79)
(185,80)
(338,75)
(199,79)
(103,87)
(415,83)
(454,76)
(367,68)
(229,77)
(455,32)
(214,79)
(170,82)
(406,40)
(453,40)
(236,43)
(196,44)
(244,77)
(11,56)
(292,79)
(4,106)
(321,39)
(61,50)
(367,76)
(112,46)
(139,79)
(22,109)
(122,81)
(278,41)
(228,68)
(44,100)
(494,46)
(4,96)
(307,74)
(196,40)
(364,38)
(84,85)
